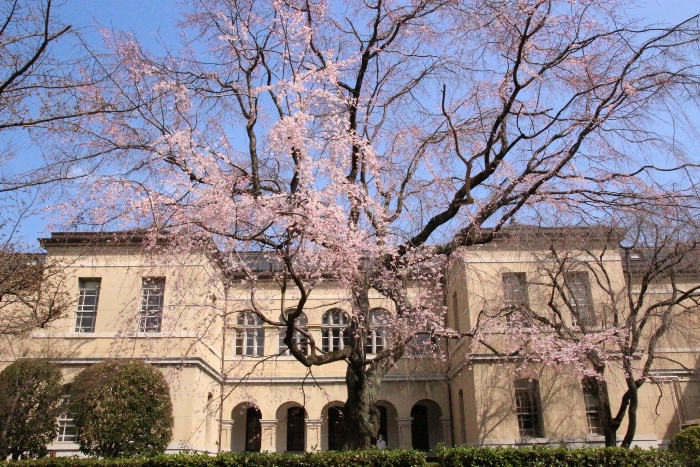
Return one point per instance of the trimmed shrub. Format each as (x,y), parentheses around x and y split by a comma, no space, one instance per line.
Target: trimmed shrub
(481,457)
(122,408)
(371,458)
(546,456)
(686,445)
(30,402)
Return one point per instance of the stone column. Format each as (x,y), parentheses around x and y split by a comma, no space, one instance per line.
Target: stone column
(226,429)
(313,434)
(268,433)
(405,436)
(447,430)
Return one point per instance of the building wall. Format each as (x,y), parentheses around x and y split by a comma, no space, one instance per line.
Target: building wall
(466,391)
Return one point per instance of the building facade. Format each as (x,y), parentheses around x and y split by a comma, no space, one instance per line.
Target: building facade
(235,387)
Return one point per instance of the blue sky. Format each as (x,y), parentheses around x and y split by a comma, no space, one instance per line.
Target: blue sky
(152,22)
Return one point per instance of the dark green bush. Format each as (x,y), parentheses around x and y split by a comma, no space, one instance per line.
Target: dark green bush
(686,444)
(371,458)
(30,401)
(122,408)
(546,456)
(481,457)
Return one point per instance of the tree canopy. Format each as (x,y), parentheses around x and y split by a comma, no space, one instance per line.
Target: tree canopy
(368,138)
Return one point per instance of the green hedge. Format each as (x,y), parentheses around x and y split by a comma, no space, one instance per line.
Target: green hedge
(686,444)
(545,456)
(481,457)
(372,458)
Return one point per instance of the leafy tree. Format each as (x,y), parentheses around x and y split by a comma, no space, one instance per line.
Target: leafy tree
(121,408)
(360,140)
(30,402)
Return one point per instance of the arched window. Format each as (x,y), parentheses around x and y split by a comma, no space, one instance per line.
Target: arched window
(250,335)
(377,337)
(335,330)
(252,429)
(300,339)
(296,429)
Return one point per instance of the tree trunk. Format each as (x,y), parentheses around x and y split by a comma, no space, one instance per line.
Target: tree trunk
(361,415)
(632,390)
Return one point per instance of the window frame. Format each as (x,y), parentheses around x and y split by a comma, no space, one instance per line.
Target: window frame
(455,310)
(421,342)
(378,334)
(516,298)
(152,304)
(296,429)
(594,418)
(578,290)
(335,333)
(86,313)
(302,341)
(66,431)
(528,408)
(253,430)
(250,335)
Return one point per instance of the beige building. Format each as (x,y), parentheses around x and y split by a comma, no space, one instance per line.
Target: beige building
(234,387)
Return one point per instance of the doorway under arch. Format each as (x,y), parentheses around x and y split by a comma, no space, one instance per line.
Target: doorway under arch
(246,430)
(426,426)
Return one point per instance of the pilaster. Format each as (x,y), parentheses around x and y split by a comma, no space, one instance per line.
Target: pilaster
(405,436)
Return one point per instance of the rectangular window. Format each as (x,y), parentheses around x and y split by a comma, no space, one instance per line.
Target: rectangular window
(88,298)
(455,310)
(590,398)
(67,432)
(578,289)
(515,297)
(152,295)
(527,405)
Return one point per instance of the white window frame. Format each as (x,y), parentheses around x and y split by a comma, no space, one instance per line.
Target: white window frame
(298,337)
(528,408)
(594,418)
(335,334)
(250,335)
(578,289)
(152,303)
(88,302)
(515,297)
(378,334)
(67,431)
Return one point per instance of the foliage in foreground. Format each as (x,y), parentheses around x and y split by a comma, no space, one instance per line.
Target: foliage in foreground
(122,408)
(686,445)
(370,458)
(478,456)
(546,456)
(30,401)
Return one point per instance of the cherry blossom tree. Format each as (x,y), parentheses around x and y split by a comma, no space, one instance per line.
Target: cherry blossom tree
(364,141)
(581,314)
(48,77)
